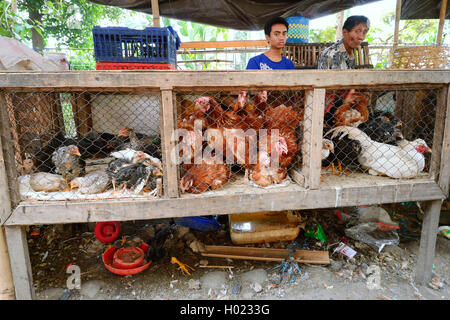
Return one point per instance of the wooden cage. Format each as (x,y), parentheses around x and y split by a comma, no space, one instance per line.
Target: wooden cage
(306,55)
(307,193)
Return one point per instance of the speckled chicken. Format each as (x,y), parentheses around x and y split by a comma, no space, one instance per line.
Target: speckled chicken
(48,182)
(92,183)
(137,176)
(68,162)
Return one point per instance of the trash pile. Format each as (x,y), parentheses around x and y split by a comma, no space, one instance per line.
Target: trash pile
(346,241)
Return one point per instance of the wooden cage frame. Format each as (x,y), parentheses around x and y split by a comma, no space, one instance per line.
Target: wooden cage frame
(309,193)
(306,55)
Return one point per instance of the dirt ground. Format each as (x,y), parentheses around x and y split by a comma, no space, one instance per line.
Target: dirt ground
(53,248)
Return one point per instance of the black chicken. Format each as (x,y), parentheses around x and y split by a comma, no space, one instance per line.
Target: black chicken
(346,153)
(97,144)
(382,127)
(157,250)
(89,145)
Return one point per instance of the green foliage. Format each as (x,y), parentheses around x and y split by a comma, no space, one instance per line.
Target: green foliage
(322,35)
(70,22)
(12,25)
(200,32)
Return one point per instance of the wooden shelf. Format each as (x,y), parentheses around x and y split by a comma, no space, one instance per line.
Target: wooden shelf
(355,189)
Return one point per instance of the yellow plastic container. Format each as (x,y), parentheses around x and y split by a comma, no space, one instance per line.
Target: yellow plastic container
(262,227)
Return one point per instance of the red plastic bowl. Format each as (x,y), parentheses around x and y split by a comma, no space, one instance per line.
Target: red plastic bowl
(107,231)
(128,258)
(108,262)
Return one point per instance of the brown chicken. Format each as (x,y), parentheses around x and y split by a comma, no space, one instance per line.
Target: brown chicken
(353,111)
(264,173)
(285,120)
(199,178)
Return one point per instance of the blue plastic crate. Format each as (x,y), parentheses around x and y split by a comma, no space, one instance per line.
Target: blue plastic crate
(205,224)
(150,45)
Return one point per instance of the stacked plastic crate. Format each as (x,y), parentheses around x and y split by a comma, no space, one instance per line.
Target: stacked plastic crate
(120,48)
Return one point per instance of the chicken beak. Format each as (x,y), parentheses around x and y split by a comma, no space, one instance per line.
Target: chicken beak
(78,154)
(429,150)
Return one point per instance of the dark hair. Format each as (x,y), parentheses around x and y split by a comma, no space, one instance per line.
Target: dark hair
(353,21)
(271,22)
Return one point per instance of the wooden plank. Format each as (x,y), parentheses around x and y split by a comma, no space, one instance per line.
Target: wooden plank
(366,55)
(312,137)
(6,102)
(217,79)
(298,177)
(168,116)
(444,172)
(250,200)
(82,112)
(9,163)
(428,242)
(266,254)
(223,44)
(20,262)
(439,131)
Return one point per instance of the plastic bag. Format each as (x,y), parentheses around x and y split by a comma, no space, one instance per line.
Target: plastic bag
(370,234)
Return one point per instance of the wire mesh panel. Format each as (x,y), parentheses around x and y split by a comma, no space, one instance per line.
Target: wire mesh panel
(380,132)
(72,145)
(240,137)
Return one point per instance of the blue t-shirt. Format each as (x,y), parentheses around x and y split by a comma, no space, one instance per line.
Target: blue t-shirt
(261,62)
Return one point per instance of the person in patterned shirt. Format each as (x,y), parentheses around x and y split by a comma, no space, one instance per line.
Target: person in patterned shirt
(339,56)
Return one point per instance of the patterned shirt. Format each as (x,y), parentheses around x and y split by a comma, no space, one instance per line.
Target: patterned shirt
(336,57)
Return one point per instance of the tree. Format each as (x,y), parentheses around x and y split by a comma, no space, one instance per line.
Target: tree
(322,35)
(12,25)
(70,22)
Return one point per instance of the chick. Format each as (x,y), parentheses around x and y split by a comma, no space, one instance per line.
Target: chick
(48,182)
(94,182)
(68,162)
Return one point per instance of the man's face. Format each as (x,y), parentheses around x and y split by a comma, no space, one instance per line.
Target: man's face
(278,36)
(354,38)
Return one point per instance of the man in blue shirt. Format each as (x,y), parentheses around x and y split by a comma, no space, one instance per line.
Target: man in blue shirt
(276,34)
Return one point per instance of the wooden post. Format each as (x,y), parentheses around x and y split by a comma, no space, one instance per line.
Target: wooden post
(312,137)
(444,172)
(155,13)
(340,23)
(6,280)
(440,130)
(428,241)
(442,13)
(20,262)
(398,11)
(8,170)
(168,120)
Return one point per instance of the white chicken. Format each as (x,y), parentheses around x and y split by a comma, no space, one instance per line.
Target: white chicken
(403,161)
(134,156)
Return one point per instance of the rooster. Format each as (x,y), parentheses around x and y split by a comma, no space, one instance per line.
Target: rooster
(353,111)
